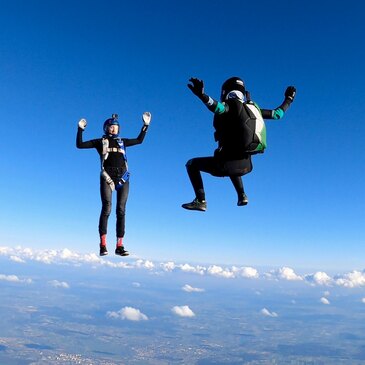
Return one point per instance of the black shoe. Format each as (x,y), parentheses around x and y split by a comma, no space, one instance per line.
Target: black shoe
(121,251)
(196,205)
(242,200)
(103,250)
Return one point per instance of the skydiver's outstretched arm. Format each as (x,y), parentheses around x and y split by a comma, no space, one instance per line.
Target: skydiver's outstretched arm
(197,87)
(133,141)
(79,142)
(146,117)
(278,112)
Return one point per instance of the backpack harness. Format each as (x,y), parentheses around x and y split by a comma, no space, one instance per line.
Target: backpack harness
(255,123)
(105,153)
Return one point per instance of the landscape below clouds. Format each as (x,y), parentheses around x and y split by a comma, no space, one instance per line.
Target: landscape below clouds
(62,306)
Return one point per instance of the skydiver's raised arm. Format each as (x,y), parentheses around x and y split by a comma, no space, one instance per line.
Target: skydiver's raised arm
(197,87)
(146,117)
(278,112)
(94,143)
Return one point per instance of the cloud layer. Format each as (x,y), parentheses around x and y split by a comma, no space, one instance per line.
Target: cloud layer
(353,279)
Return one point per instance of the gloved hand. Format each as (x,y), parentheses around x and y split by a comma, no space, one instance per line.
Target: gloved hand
(290,92)
(82,123)
(197,86)
(146,117)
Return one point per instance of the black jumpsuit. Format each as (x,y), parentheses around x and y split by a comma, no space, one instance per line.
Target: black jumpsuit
(115,165)
(229,158)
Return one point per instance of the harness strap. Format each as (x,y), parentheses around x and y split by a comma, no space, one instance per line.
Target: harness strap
(105,153)
(115,149)
(108,179)
(110,182)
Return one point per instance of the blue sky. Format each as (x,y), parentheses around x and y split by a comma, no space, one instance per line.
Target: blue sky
(61,61)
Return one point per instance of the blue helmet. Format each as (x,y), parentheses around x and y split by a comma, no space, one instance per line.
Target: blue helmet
(111,121)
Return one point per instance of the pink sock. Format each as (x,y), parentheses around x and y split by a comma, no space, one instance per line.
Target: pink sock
(119,242)
(103,240)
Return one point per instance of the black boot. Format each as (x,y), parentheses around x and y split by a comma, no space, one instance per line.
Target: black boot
(121,251)
(242,200)
(196,205)
(103,250)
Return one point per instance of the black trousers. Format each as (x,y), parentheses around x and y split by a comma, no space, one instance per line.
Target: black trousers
(235,169)
(106,200)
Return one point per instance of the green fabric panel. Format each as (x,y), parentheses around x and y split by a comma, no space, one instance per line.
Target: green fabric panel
(220,108)
(278,113)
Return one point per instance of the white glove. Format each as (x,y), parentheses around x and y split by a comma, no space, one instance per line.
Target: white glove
(82,123)
(146,118)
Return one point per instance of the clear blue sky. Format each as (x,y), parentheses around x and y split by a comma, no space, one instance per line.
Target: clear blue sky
(61,61)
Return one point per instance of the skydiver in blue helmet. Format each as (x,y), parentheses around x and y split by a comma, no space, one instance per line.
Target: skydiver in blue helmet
(236,118)
(114,175)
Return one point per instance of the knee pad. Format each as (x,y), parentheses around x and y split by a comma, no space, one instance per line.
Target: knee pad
(189,163)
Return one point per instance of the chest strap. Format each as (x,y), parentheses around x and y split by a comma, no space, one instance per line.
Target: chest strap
(105,153)
(115,149)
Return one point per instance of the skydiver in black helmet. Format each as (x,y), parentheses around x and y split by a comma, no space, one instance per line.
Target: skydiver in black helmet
(232,158)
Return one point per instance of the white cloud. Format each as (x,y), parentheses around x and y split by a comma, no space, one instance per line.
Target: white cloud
(5,251)
(249,272)
(11,278)
(351,280)
(283,273)
(269,275)
(91,257)
(245,272)
(265,312)
(145,264)
(287,273)
(59,284)
(66,254)
(193,269)
(168,266)
(183,311)
(136,285)
(17,259)
(363,300)
(128,313)
(191,289)
(324,300)
(14,279)
(219,271)
(319,278)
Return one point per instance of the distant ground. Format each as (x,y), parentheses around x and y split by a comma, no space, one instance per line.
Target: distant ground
(74,312)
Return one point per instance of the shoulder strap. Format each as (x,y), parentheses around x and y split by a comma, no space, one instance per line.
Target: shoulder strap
(104,152)
(246,106)
(122,148)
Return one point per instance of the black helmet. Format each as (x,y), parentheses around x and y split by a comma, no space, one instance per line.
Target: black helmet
(233,83)
(111,121)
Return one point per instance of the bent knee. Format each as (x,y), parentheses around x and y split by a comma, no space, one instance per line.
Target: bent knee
(190,163)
